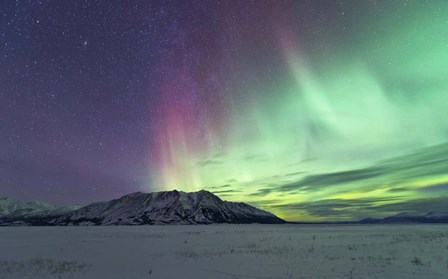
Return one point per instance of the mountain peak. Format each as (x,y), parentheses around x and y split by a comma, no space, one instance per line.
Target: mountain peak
(165,207)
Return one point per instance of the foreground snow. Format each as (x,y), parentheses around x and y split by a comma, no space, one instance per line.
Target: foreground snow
(225,251)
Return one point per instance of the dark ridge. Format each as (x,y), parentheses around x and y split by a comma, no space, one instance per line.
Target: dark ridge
(161,208)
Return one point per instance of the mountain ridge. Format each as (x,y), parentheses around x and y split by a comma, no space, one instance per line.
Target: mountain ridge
(157,208)
(10,206)
(409,218)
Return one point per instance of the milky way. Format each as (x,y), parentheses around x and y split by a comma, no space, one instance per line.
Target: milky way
(314,110)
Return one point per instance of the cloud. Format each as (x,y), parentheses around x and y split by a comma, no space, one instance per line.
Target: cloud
(256,157)
(326,206)
(433,188)
(262,192)
(294,173)
(355,209)
(442,188)
(426,162)
(226,191)
(399,189)
(330,179)
(210,162)
(220,187)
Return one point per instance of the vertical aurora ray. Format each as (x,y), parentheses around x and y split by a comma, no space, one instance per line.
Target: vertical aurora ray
(381,93)
(180,136)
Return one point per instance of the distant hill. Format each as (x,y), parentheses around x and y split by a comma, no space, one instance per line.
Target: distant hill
(11,207)
(406,218)
(171,207)
(12,210)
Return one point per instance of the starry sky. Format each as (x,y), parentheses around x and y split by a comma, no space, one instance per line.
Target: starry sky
(315,110)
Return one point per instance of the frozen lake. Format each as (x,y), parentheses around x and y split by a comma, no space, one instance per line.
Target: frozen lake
(225,251)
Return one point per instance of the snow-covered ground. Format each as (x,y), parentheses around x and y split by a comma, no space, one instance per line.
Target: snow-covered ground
(225,251)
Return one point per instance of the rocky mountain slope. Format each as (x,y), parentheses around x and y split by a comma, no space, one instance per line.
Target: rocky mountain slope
(171,207)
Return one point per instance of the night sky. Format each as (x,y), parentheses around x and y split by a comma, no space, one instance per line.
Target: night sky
(311,109)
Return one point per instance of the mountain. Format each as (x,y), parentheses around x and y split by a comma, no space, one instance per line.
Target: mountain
(14,212)
(171,207)
(11,207)
(407,218)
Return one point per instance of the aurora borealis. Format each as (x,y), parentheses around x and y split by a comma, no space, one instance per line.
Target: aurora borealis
(314,110)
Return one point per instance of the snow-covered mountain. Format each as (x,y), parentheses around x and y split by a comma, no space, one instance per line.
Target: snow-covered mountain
(14,212)
(12,207)
(171,207)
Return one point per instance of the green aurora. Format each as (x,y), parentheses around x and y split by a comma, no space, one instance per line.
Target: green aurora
(315,110)
(355,126)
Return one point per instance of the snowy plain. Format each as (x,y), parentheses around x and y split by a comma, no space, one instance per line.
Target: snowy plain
(225,251)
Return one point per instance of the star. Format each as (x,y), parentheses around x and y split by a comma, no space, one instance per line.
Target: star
(232,94)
